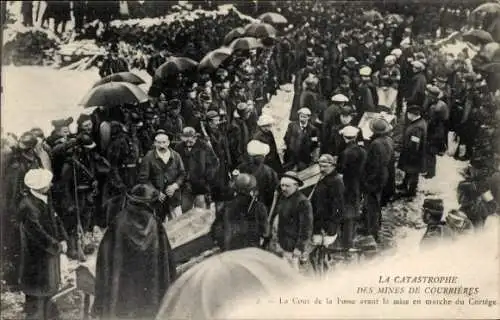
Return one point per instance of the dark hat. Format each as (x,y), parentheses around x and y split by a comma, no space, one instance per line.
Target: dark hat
(27,141)
(346,110)
(37,132)
(161,131)
(205,97)
(86,141)
(245,183)
(83,118)
(380,126)
(62,122)
(143,193)
(173,104)
(434,207)
(414,109)
(294,176)
(221,72)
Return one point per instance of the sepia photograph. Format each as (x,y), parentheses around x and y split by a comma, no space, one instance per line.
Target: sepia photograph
(217,160)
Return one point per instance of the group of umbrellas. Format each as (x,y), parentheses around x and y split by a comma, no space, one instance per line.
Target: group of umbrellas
(122,88)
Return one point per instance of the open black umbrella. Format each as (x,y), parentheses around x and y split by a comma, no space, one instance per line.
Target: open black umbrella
(246,43)
(273,18)
(489,7)
(121,77)
(233,34)
(114,94)
(478,37)
(214,59)
(175,65)
(260,30)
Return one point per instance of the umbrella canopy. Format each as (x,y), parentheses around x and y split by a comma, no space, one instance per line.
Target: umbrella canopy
(175,65)
(260,30)
(221,281)
(372,15)
(493,67)
(489,51)
(490,7)
(478,37)
(114,94)
(494,29)
(234,34)
(121,77)
(214,59)
(246,43)
(273,18)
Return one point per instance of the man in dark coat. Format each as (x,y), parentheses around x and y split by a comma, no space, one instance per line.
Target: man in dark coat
(302,142)
(416,89)
(241,131)
(412,156)
(163,169)
(437,114)
(295,219)
(327,197)
(113,63)
(245,217)
(201,164)
(43,239)
(367,98)
(134,265)
(158,59)
(379,153)
(330,115)
(352,162)
(267,178)
(265,135)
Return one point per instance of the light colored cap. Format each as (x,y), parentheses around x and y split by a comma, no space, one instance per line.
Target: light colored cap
(397,52)
(265,120)
(390,59)
(365,71)
(257,148)
(349,132)
(340,98)
(37,179)
(305,111)
(327,158)
(418,65)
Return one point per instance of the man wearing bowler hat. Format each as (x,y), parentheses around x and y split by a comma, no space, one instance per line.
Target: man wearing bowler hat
(295,219)
(413,151)
(380,152)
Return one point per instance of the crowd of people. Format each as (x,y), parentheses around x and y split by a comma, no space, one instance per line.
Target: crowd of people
(368,99)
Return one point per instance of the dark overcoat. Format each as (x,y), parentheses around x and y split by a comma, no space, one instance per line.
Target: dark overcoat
(416,94)
(379,154)
(134,266)
(267,179)
(41,233)
(272,158)
(295,225)
(300,144)
(351,165)
(328,203)
(201,164)
(412,156)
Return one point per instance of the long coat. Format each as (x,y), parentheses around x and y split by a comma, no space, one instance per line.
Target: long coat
(41,233)
(295,224)
(220,145)
(328,203)
(201,164)
(245,222)
(379,154)
(272,159)
(416,90)
(300,144)
(134,266)
(412,156)
(351,164)
(438,115)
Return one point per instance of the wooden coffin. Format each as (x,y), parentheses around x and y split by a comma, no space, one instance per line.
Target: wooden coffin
(310,176)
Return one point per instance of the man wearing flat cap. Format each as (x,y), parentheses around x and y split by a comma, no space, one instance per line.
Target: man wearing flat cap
(327,197)
(301,141)
(43,240)
(164,169)
(241,130)
(352,162)
(294,216)
(265,135)
(437,114)
(201,165)
(367,99)
(413,150)
(417,85)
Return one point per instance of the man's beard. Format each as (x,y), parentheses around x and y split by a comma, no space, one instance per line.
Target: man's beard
(162,149)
